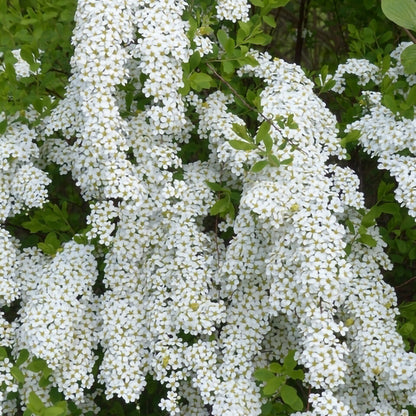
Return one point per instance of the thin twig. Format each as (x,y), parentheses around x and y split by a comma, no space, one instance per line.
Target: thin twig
(299,35)
(309,393)
(406,282)
(410,34)
(246,104)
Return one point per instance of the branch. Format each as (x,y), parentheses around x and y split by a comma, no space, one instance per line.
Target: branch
(299,35)
(410,34)
(406,282)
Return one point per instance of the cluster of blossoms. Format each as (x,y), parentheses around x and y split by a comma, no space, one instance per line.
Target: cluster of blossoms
(21,67)
(177,302)
(385,135)
(22,183)
(57,320)
(233,10)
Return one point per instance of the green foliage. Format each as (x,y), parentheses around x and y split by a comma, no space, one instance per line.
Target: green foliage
(227,202)
(324,82)
(53,221)
(262,137)
(407,324)
(36,407)
(370,42)
(42,30)
(277,385)
(408,59)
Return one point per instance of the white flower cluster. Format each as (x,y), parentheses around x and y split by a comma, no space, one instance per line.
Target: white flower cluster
(363,69)
(89,113)
(233,10)
(22,183)
(385,135)
(204,44)
(21,67)
(294,245)
(58,319)
(160,51)
(179,304)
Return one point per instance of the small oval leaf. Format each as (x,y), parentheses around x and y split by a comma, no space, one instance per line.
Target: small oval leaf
(408,59)
(239,145)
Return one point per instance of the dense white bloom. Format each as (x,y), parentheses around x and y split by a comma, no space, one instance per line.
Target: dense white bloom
(58,317)
(284,279)
(204,45)
(233,10)
(363,69)
(22,184)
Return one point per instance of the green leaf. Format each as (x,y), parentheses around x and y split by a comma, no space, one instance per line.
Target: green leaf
(222,206)
(279,3)
(241,131)
(3,126)
(215,186)
(406,329)
(261,39)
(385,64)
(23,356)
(287,161)
(367,240)
(263,132)
(273,160)
(26,54)
(263,374)
(44,381)
(328,86)
(56,396)
(35,403)
(383,190)
(289,362)
(276,368)
(411,96)
(51,244)
(248,60)
(258,166)
(258,3)
(412,253)
(269,20)
(296,374)
(200,81)
(222,38)
(240,145)
(408,59)
(268,409)
(17,374)
(291,398)
(368,219)
(389,101)
(53,411)
(37,364)
(228,66)
(402,246)
(351,137)
(401,12)
(273,384)
(3,353)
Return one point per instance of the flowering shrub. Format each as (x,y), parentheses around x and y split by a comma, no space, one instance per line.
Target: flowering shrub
(180,211)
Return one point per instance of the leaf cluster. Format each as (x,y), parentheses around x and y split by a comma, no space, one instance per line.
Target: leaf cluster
(276,385)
